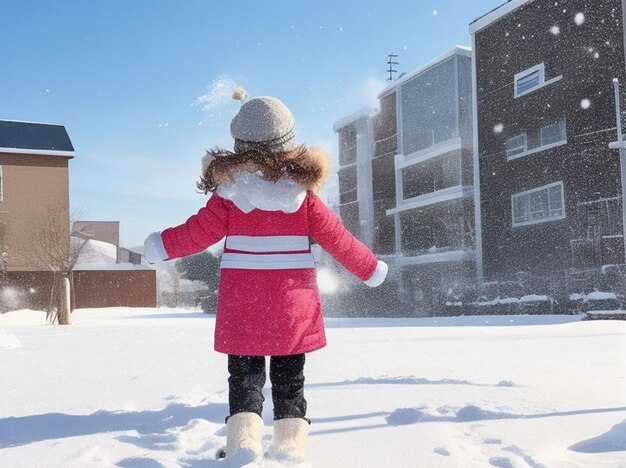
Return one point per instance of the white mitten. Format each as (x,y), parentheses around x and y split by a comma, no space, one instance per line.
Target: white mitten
(153,248)
(379,275)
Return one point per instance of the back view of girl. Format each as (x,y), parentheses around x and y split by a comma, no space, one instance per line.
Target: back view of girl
(264,203)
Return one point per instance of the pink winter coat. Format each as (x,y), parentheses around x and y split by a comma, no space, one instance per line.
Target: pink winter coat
(268,300)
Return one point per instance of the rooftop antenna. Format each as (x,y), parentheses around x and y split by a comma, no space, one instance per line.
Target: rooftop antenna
(391,63)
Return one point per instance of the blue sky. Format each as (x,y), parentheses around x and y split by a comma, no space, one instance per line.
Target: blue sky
(143,86)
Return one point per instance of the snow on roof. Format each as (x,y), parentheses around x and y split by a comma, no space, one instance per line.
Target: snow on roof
(456,50)
(605,315)
(349,119)
(534,298)
(593,296)
(496,14)
(600,295)
(98,255)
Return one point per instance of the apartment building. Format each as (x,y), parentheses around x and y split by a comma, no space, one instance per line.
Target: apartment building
(434,212)
(356,151)
(549,197)
(416,160)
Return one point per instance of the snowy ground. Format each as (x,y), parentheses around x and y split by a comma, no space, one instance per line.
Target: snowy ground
(143,388)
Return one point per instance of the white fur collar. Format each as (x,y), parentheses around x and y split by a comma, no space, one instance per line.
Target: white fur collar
(250,190)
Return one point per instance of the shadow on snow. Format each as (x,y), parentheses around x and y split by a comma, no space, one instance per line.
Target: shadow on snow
(409,380)
(470,413)
(613,440)
(152,426)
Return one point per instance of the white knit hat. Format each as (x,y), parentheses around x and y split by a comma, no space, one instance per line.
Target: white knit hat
(263,122)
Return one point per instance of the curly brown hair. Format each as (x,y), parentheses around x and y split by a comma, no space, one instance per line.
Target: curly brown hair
(309,167)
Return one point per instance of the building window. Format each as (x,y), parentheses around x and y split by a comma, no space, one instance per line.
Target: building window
(516,145)
(432,175)
(436,229)
(554,133)
(428,108)
(538,205)
(531,80)
(347,145)
(536,140)
(347,184)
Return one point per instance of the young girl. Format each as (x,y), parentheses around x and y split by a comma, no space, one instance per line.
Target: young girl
(264,202)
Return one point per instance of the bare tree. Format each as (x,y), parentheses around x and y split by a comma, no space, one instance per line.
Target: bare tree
(49,248)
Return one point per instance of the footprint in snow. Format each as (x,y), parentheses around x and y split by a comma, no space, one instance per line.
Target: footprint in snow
(405,416)
(492,441)
(500,462)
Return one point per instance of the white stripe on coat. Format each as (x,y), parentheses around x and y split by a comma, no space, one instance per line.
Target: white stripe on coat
(268,261)
(268,243)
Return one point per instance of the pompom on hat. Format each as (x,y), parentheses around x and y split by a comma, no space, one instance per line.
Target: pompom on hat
(263,121)
(264,131)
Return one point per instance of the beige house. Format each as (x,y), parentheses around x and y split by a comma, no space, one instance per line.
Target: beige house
(34,199)
(35,229)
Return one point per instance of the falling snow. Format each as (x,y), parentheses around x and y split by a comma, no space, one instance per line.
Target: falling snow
(585,103)
(435,12)
(498,128)
(219,92)
(579,19)
(555,30)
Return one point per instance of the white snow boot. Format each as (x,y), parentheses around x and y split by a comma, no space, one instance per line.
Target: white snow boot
(243,437)
(290,436)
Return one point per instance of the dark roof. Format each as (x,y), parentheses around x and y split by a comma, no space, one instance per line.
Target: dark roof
(34,136)
(491,11)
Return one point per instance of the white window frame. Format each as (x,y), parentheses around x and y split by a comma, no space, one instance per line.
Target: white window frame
(541,148)
(521,75)
(527,193)
(541,68)
(513,150)
(553,124)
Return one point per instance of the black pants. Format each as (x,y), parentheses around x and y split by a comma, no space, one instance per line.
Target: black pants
(247,378)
